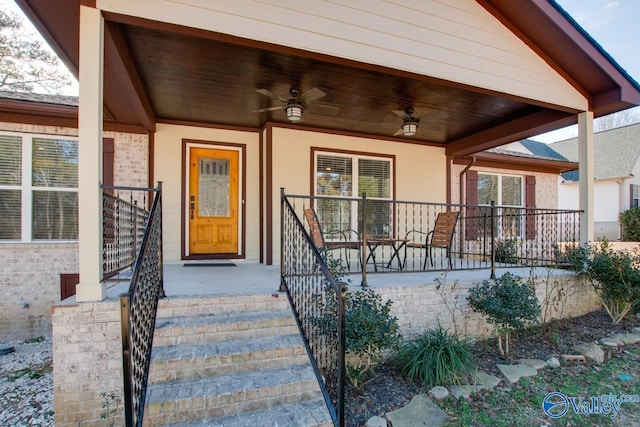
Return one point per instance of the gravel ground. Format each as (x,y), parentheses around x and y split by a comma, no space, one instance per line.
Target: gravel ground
(26,384)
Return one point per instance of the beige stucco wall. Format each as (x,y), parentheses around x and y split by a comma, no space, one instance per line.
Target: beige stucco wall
(30,275)
(420,171)
(168,168)
(546,184)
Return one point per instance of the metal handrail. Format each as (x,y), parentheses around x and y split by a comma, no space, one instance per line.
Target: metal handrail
(138,309)
(307,280)
(484,237)
(123,224)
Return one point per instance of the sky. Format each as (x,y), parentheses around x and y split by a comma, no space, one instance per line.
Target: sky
(612,23)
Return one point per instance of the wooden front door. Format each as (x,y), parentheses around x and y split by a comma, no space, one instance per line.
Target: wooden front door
(213,201)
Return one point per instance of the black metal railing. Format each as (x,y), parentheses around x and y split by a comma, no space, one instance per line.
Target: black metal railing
(125,215)
(138,314)
(318,303)
(372,235)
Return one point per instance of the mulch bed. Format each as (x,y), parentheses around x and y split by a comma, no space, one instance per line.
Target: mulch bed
(386,390)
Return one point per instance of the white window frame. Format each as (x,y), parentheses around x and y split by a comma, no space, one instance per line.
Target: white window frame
(499,201)
(500,176)
(27,188)
(354,157)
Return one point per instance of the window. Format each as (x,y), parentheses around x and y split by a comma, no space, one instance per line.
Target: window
(348,176)
(38,188)
(504,190)
(635,196)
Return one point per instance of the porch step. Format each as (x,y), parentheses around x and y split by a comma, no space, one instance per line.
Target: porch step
(222,327)
(200,398)
(206,305)
(312,413)
(232,360)
(226,357)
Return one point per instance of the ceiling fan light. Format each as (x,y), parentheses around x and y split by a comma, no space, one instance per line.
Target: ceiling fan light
(294,112)
(409,128)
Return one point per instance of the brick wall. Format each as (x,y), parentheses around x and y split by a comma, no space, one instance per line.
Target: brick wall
(30,283)
(87,361)
(31,271)
(418,307)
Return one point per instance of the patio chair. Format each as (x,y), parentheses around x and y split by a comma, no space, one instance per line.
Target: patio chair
(318,237)
(440,237)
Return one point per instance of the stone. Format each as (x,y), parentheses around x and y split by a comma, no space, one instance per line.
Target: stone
(6,350)
(553,362)
(376,421)
(591,351)
(610,342)
(486,380)
(534,363)
(439,392)
(421,411)
(627,338)
(636,330)
(513,373)
(466,390)
(578,358)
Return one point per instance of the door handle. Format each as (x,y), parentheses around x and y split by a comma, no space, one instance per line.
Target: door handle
(192,205)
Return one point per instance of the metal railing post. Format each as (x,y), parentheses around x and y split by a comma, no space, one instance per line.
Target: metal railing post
(493,240)
(342,369)
(161,254)
(126,360)
(282,289)
(363,234)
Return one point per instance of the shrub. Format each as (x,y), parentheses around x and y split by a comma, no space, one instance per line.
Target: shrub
(630,222)
(508,303)
(507,251)
(436,357)
(616,278)
(369,329)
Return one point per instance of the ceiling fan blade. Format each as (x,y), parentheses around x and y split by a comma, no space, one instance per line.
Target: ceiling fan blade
(262,110)
(435,116)
(400,114)
(311,95)
(398,132)
(267,93)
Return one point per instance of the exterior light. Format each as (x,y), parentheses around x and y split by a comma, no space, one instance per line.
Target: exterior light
(294,112)
(409,128)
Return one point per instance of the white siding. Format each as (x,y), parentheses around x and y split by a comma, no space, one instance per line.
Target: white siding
(455,40)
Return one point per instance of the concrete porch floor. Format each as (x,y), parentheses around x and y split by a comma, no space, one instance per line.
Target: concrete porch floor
(246,278)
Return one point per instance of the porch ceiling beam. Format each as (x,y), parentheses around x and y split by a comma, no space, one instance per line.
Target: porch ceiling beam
(523,127)
(130,84)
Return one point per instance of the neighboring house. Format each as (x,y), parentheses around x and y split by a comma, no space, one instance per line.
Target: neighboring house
(617,177)
(218,90)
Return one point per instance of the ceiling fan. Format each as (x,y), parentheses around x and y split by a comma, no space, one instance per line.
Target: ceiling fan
(293,106)
(410,123)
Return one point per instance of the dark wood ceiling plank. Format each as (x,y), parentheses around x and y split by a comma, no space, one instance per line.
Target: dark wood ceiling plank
(520,128)
(125,71)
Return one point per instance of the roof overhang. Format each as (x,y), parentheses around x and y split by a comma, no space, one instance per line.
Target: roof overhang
(520,163)
(142,88)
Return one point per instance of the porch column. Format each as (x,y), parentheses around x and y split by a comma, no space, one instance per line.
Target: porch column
(585,149)
(90,287)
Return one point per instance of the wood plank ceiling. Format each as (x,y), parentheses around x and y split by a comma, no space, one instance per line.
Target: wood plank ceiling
(158,71)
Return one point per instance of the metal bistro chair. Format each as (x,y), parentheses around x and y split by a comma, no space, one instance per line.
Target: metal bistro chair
(317,237)
(440,237)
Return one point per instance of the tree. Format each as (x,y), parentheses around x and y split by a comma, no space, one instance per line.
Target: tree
(25,63)
(616,120)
